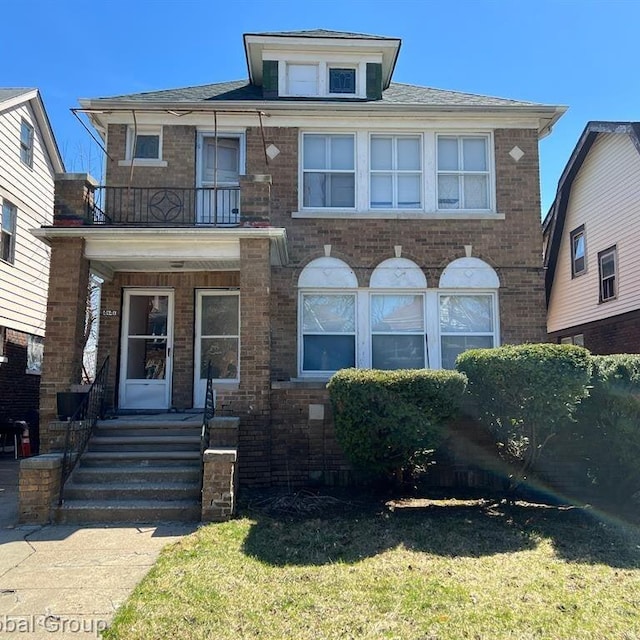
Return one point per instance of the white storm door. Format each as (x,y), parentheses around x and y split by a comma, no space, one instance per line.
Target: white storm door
(217,341)
(220,168)
(146,346)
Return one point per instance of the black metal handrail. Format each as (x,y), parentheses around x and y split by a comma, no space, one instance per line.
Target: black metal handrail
(166,206)
(81,424)
(207,415)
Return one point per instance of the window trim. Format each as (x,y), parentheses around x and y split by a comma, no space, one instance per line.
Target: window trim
(490,171)
(11,233)
(26,148)
(148,130)
(573,236)
(601,280)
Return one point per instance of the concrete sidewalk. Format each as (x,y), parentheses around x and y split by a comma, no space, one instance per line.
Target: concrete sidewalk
(66,581)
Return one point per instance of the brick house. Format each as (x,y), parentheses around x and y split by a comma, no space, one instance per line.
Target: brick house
(590,252)
(313,217)
(29,160)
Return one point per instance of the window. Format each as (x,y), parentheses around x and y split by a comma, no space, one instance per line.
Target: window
(302,79)
(466,322)
(8,232)
(397,332)
(35,351)
(607,268)
(328,332)
(219,335)
(463,172)
(342,80)
(26,143)
(577,339)
(144,143)
(328,167)
(3,339)
(396,172)
(578,254)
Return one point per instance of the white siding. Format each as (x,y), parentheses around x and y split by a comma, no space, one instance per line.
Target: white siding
(23,285)
(605,197)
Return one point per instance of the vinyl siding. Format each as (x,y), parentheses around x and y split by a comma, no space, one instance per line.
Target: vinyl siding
(23,284)
(605,197)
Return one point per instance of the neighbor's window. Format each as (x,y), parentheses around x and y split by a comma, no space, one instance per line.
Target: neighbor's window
(607,264)
(577,339)
(144,143)
(578,253)
(328,332)
(396,172)
(328,167)
(466,322)
(397,332)
(8,232)
(35,351)
(26,143)
(463,172)
(342,80)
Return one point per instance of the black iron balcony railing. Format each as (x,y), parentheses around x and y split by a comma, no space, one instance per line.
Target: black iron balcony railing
(166,206)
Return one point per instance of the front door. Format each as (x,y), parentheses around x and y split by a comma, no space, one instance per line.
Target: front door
(219,179)
(145,349)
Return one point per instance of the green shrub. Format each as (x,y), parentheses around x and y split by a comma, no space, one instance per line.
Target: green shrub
(524,394)
(608,426)
(385,419)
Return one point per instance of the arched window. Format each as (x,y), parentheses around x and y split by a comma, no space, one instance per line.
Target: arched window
(468,308)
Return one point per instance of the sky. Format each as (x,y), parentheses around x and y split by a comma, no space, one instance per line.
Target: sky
(579,53)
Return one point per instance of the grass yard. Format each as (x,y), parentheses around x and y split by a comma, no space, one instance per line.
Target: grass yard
(414,570)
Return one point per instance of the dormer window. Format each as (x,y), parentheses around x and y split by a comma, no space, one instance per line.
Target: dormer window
(322,79)
(342,81)
(302,79)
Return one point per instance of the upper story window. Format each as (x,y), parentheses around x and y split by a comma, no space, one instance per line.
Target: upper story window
(396,172)
(35,351)
(342,80)
(328,167)
(8,232)
(144,144)
(26,143)
(463,172)
(578,252)
(607,265)
(302,79)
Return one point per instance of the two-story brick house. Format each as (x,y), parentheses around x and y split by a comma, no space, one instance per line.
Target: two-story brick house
(313,217)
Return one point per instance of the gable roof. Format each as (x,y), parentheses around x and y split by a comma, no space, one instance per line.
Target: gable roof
(13,97)
(553,224)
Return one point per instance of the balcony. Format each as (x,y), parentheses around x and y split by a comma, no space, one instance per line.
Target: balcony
(166,207)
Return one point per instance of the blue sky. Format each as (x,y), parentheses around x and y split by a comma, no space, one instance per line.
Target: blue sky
(582,54)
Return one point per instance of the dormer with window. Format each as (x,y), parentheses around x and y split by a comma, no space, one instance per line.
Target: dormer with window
(321,64)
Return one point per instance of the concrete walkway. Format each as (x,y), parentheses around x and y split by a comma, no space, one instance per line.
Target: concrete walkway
(66,581)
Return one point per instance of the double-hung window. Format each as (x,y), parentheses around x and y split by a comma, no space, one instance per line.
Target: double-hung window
(8,232)
(463,172)
(396,172)
(578,252)
(397,331)
(466,322)
(607,265)
(26,143)
(328,331)
(328,166)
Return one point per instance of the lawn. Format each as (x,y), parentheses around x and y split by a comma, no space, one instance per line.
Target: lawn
(409,570)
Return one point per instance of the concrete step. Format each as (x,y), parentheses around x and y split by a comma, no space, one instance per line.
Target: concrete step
(159,492)
(109,428)
(140,458)
(140,511)
(136,473)
(156,442)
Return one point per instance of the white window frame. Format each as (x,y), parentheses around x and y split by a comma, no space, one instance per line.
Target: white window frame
(495,334)
(26,148)
(351,67)
(8,233)
(310,65)
(302,170)
(490,171)
(326,292)
(143,130)
(575,234)
(394,171)
(611,251)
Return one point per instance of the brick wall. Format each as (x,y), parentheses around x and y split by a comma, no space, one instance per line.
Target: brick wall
(19,391)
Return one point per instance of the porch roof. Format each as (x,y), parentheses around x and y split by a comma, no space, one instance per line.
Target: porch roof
(112,249)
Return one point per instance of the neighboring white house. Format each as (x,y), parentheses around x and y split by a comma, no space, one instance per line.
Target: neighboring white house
(591,242)
(29,160)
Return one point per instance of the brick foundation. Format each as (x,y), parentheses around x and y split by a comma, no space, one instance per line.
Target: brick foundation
(219,484)
(39,488)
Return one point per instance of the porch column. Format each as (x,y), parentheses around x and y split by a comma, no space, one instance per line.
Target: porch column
(66,311)
(255,360)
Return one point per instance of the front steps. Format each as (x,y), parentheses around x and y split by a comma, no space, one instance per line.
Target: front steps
(137,469)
